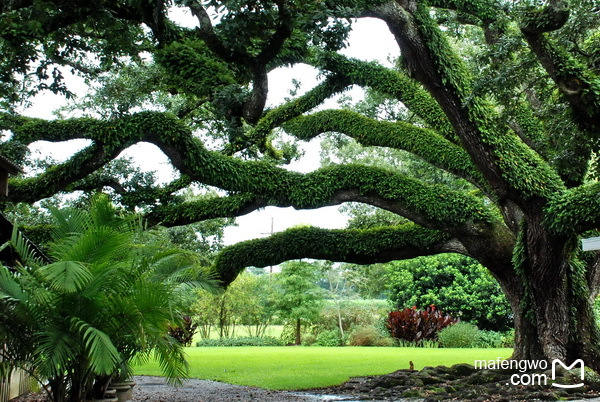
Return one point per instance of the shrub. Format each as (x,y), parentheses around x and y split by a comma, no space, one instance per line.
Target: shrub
(490,339)
(369,336)
(308,339)
(185,332)
(508,340)
(329,338)
(415,325)
(353,313)
(461,335)
(241,341)
(426,344)
(463,287)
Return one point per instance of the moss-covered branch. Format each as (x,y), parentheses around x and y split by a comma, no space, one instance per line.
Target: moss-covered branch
(421,142)
(64,176)
(389,82)
(296,107)
(196,211)
(581,89)
(576,210)
(511,168)
(356,246)
(429,205)
(485,10)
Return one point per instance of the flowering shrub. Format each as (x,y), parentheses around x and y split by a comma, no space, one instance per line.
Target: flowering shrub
(415,325)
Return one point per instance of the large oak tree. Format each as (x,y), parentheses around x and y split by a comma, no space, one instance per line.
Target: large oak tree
(504,95)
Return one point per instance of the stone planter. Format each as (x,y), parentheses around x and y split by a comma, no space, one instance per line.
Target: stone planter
(109,396)
(124,390)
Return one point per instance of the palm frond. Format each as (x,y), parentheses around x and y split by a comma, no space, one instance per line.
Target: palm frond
(171,359)
(66,276)
(102,354)
(9,286)
(56,348)
(25,249)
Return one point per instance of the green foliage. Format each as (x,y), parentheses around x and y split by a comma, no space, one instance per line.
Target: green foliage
(297,296)
(247,302)
(329,338)
(368,336)
(493,339)
(460,335)
(108,296)
(199,72)
(241,341)
(352,313)
(456,284)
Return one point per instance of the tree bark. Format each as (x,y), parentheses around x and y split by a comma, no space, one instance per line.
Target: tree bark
(551,300)
(298,330)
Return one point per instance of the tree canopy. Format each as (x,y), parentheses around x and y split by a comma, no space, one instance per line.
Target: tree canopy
(503,95)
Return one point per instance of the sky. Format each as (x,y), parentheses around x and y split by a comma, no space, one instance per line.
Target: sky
(369,40)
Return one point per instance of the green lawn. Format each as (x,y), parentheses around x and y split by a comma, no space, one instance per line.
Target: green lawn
(293,367)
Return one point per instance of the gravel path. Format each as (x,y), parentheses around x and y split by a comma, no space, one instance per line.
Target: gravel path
(155,389)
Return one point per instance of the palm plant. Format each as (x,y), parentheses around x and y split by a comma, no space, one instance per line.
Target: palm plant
(108,297)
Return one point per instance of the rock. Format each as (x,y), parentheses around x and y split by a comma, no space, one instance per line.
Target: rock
(462,369)
(484,377)
(411,393)
(428,380)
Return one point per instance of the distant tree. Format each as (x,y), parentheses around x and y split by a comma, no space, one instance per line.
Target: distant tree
(248,301)
(298,297)
(368,281)
(457,285)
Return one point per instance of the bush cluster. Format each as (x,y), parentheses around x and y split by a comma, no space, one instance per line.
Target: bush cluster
(369,336)
(241,341)
(460,335)
(467,335)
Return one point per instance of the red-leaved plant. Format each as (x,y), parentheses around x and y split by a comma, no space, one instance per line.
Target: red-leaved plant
(185,333)
(415,325)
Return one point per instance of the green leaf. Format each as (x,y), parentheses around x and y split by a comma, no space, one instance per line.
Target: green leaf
(66,276)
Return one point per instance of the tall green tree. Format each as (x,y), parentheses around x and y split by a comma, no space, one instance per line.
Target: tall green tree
(455,284)
(298,298)
(501,94)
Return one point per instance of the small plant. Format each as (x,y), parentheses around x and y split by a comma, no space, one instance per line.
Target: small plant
(415,325)
(368,335)
(427,344)
(329,338)
(309,339)
(461,335)
(185,332)
(490,339)
(508,340)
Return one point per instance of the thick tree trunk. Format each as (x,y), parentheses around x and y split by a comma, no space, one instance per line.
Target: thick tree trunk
(551,300)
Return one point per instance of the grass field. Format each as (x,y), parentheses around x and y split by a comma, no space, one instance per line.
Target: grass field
(311,367)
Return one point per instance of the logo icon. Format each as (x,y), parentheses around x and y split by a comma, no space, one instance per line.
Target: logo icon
(556,362)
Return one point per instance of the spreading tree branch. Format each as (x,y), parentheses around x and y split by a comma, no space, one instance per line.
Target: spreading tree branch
(576,210)
(430,205)
(420,142)
(354,246)
(389,82)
